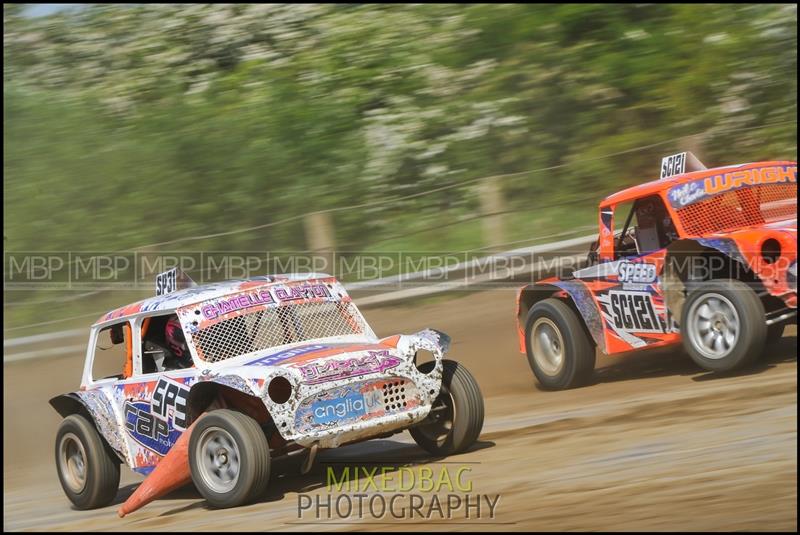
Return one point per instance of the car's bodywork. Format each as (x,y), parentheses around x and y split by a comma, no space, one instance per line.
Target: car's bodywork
(294,352)
(741,220)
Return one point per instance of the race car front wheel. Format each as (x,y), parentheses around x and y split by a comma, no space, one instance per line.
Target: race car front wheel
(560,352)
(229,458)
(88,472)
(456,417)
(723,325)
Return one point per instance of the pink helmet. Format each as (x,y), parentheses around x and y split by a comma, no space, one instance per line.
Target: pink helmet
(175,339)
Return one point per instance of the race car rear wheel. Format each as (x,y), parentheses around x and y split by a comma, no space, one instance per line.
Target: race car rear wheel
(229,458)
(87,470)
(560,352)
(723,326)
(456,417)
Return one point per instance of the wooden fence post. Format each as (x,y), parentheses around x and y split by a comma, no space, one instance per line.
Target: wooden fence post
(320,240)
(492,206)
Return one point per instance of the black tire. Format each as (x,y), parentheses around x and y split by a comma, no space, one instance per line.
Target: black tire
(240,438)
(569,340)
(775,332)
(735,332)
(463,408)
(87,470)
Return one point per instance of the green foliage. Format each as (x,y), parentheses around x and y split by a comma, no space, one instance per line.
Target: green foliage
(134,124)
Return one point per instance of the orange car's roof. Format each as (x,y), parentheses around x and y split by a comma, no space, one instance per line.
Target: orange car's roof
(655,186)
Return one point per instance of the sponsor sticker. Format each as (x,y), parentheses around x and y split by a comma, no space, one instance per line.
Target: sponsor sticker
(638,272)
(332,410)
(149,431)
(246,300)
(341,406)
(698,190)
(271,360)
(334,370)
(264,297)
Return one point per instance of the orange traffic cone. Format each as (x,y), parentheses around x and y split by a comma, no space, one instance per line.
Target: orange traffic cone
(171,473)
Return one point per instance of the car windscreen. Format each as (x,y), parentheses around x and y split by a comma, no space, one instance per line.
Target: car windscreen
(254,321)
(736,199)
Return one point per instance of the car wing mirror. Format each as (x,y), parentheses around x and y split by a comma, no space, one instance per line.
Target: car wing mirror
(116,334)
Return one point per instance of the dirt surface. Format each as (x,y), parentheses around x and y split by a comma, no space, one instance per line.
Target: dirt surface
(654,444)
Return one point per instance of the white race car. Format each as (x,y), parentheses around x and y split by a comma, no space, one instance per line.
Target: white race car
(276,365)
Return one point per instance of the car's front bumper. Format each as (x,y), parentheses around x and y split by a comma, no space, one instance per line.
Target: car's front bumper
(332,413)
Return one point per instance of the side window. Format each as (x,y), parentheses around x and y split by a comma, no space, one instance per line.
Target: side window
(164,346)
(625,230)
(654,228)
(642,227)
(111,351)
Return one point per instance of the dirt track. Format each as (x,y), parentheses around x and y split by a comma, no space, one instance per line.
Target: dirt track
(655,444)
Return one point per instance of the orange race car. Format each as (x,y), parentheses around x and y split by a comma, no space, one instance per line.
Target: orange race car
(706,257)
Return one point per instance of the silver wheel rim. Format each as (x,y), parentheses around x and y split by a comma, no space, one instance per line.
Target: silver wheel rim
(72,462)
(219,459)
(713,326)
(547,346)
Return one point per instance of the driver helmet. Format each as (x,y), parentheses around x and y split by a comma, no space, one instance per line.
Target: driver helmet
(176,341)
